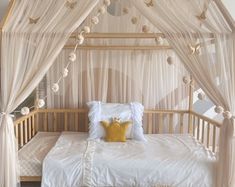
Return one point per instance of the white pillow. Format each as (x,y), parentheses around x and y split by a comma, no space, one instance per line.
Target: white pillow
(99,111)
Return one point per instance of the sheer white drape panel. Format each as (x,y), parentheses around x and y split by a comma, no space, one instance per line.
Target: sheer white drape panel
(212,66)
(120,76)
(28,50)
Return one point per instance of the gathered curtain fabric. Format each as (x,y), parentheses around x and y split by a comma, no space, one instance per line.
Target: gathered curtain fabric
(204,42)
(31,40)
(119,76)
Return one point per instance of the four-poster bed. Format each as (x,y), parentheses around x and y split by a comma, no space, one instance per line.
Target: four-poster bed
(201,43)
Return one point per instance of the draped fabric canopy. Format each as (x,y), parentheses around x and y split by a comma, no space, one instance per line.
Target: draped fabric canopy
(37,31)
(119,76)
(211,62)
(32,38)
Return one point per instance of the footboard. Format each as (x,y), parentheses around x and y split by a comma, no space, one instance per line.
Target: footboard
(202,128)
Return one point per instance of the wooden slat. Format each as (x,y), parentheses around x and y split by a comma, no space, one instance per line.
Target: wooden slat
(30,128)
(21,134)
(45,124)
(160,127)
(171,123)
(214,138)
(181,123)
(198,128)
(129,35)
(203,127)
(37,122)
(65,121)
(208,135)
(56,110)
(30,178)
(33,124)
(164,111)
(191,90)
(118,47)
(194,125)
(76,122)
(54,121)
(108,35)
(25,131)
(150,123)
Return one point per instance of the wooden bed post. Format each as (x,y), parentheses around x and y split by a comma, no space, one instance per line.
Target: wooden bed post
(191,90)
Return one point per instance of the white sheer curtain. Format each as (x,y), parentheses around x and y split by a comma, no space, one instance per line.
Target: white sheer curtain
(120,76)
(212,65)
(27,52)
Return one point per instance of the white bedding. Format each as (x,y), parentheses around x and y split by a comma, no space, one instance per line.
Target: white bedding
(170,160)
(33,153)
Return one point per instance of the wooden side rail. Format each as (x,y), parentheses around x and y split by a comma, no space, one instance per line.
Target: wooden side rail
(25,128)
(165,121)
(204,129)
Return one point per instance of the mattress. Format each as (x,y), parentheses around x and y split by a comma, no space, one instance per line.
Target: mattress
(164,160)
(32,154)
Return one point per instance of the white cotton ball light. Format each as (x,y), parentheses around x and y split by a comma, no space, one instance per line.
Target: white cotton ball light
(107,2)
(86,29)
(25,111)
(55,87)
(186,79)
(102,10)
(72,56)
(125,10)
(65,72)
(219,109)
(201,96)
(159,40)
(95,20)
(40,103)
(145,29)
(169,60)
(227,115)
(80,40)
(134,20)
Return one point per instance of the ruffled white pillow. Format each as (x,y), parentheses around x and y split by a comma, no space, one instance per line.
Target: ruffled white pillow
(99,111)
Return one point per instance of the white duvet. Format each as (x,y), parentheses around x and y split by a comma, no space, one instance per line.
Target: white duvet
(164,160)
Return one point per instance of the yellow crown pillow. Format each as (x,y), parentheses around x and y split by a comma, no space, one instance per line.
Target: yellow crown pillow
(115,131)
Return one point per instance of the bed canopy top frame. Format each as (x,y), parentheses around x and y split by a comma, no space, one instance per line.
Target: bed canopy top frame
(201,127)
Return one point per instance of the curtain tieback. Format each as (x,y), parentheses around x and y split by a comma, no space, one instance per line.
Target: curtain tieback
(4,113)
(228,115)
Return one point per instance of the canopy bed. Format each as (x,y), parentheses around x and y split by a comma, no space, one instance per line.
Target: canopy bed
(189,42)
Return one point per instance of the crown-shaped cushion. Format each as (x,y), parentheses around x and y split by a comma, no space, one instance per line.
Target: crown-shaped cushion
(115,131)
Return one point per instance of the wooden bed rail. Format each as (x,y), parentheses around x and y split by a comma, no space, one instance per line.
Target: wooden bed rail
(25,128)
(206,130)
(202,128)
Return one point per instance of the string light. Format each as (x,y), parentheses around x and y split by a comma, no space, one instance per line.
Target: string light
(40,103)
(219,109)
(169,60)
(201,96)
(159,40)
(25,110)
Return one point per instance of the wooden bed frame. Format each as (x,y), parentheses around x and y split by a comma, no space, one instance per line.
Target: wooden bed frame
(204,129)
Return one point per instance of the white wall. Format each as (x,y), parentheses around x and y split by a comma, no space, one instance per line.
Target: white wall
(230,5)
(3,7)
